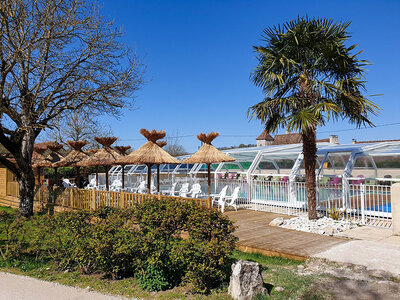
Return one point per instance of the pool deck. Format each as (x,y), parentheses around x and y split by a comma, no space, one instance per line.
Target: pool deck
(255,235)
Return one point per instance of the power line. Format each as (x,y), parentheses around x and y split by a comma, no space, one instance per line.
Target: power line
(249,136)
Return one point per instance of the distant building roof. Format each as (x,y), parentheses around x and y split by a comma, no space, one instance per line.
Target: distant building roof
(287,138)
(377,141)
(323,140)
(265,136)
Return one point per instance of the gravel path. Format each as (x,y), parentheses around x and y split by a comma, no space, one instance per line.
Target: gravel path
(27,288)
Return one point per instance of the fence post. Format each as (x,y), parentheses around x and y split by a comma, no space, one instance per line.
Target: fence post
(93,199)
(122,199)
(71,197)
(159,196)
(362,189)
(395,200)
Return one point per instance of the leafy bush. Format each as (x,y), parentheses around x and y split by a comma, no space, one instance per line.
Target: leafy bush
(164,243)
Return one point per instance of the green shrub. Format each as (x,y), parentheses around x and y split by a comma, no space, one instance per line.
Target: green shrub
(153,279)
(162,242)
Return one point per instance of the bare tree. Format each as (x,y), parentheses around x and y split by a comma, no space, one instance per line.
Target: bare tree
(56,56)
(173,146)
(78,125)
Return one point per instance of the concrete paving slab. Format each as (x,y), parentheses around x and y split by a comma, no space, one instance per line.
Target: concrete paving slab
(16,287)
(371,254)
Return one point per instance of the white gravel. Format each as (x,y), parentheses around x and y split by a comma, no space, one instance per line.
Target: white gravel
(15,287)
(324,225)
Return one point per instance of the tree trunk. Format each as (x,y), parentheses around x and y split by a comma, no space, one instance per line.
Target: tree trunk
(310,153)
(25,173)
(26,192)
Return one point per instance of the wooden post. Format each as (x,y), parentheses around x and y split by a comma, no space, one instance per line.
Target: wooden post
(93,199)
(56,176)
(123,176)
(122,200)
(38,172)
(97,176)
(107,185)
(158,178)
(78,177)
(149,179)
(71,197)
(159,196)
(209,179)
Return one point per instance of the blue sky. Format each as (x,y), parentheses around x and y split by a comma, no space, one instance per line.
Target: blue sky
(198,57)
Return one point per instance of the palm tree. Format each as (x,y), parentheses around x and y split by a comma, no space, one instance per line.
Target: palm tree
(309,76)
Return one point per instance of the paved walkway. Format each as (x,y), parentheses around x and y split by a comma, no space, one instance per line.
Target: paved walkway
(373,247)
(15,287)
(255,235)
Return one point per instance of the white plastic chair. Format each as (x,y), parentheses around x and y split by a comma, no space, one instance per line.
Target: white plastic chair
(91,185)
(171,191)
(194,192)
(218,197)
(67,184)
(232,200)
(184,189)
(116,186)
(139,188)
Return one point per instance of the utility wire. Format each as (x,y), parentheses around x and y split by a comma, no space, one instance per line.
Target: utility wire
(237,136)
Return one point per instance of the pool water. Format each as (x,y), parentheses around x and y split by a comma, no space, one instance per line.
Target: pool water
(382,208)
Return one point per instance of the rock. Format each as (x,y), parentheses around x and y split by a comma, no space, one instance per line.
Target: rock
(277,222)
(329,230)
(246,281)
(300,268)
(279,289)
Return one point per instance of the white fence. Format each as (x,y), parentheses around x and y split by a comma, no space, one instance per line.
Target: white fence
(365,204)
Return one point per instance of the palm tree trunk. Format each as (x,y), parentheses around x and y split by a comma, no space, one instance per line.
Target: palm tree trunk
(310,153)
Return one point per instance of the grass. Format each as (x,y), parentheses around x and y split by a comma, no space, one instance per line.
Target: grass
(276,272)
(7,209)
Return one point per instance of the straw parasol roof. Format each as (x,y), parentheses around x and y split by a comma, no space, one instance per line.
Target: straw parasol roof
(38,156)
(75,156)
(106,156)
(207,153)
(150,152)
(53,157)
(122,149)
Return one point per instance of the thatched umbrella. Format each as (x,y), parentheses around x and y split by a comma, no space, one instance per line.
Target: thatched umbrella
(149,154)
(74,157)
(38,159)
(208,154)
(106,156)
(122,150)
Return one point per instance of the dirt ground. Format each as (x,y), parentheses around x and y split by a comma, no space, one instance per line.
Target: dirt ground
(348,281)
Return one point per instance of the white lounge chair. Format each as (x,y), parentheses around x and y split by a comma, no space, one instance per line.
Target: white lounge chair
(116,186)
(184,189)
(91,185)
(230,200)
(194,192)
(67,184)
(171,191)
(218,197)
